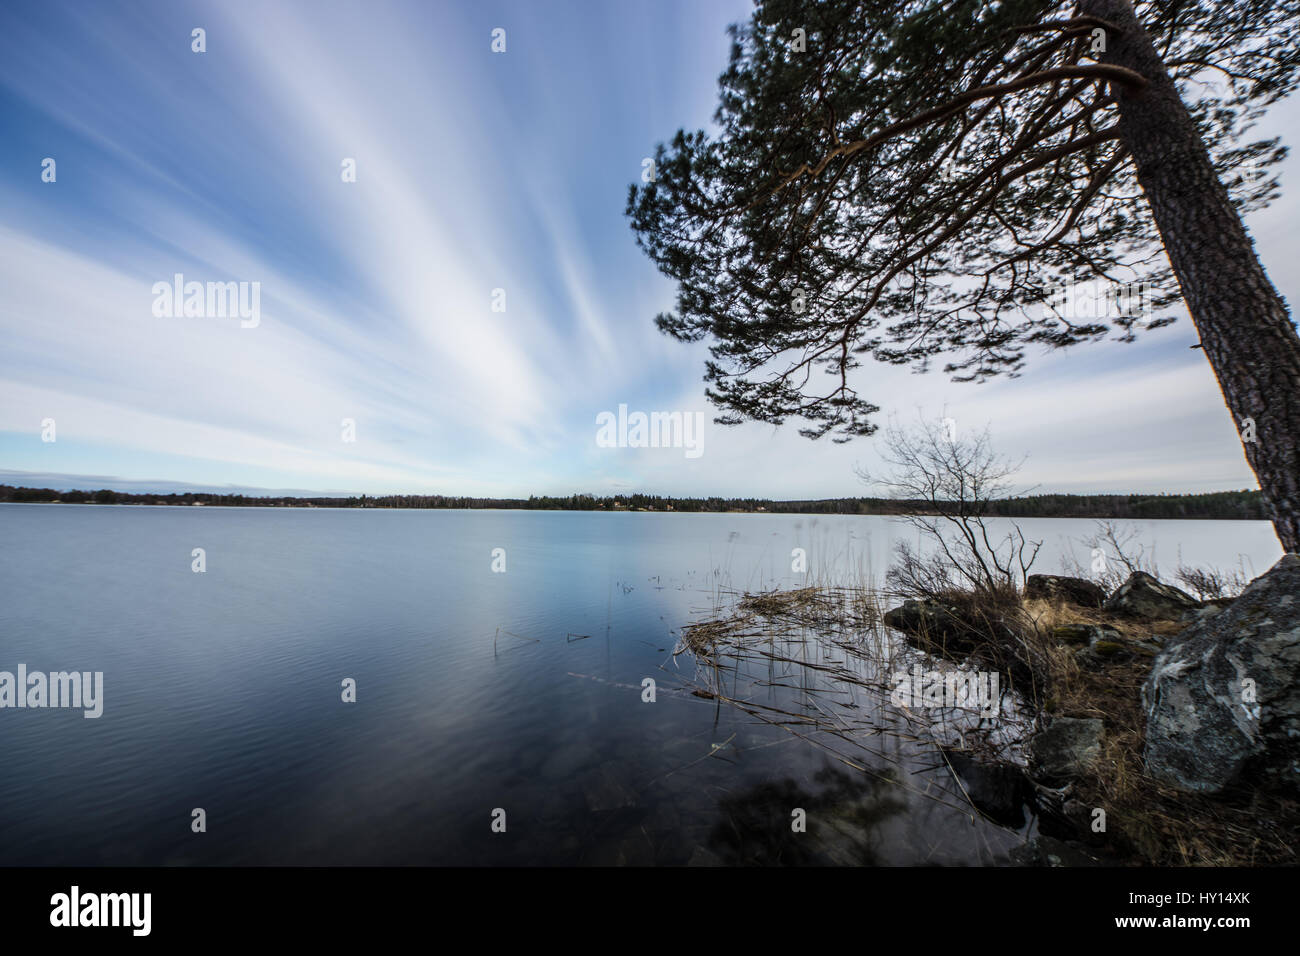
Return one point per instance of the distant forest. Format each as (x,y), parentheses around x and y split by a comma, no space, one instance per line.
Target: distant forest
(1219,504)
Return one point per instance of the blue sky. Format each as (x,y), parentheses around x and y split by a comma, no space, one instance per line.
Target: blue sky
(475,171)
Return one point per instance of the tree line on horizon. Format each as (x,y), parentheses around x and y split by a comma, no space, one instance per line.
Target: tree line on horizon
(1240,505)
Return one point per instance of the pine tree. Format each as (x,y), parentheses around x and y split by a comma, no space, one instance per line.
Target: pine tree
(915,181)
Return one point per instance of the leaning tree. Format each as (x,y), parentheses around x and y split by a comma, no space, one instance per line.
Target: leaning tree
(918,180)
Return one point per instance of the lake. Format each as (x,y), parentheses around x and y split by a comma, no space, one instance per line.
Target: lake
(511,695)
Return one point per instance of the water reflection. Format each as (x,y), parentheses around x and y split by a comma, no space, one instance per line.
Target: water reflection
(842,814)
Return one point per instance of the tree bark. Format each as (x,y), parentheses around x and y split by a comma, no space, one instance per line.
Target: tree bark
(1243,323)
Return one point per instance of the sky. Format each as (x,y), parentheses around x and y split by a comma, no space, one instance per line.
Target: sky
(475,171)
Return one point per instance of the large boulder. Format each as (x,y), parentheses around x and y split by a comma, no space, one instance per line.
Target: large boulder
(1143,596)
(1223,698)
(1051,587)
(1208,608)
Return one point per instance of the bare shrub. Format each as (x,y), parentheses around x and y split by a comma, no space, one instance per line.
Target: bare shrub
(1208,584)
(949,483)
(1121,554)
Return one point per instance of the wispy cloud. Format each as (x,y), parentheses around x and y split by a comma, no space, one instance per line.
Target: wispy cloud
(475,172)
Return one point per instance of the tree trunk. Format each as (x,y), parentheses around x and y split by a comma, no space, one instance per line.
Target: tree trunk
(1243,323)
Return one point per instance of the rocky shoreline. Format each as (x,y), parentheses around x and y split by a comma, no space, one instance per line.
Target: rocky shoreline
(1160,713)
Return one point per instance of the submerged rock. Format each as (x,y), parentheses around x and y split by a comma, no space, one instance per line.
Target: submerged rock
(998,790)
(1048,851)
(1143,596)
(1223,698)
(1066,749)
(1078,591)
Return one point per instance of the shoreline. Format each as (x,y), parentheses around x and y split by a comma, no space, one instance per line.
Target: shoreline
(1076,670)
(1210,506)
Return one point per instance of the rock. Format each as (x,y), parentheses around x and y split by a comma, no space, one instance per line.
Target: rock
(1049,851)
(1095,644)
(1206,728)
(1207,609)
(1110,649)
(1086,634)
(946,632)
(936,628)
(1143,596)
(997,790)
(1066,749)
(1075,590)
(926,619)
(1073,634)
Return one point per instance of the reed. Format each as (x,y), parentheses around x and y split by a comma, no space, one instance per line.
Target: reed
(816,662)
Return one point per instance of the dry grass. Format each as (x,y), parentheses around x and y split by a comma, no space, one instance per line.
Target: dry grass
(828,649)
(834,641)
(1148,823)
(1048,615)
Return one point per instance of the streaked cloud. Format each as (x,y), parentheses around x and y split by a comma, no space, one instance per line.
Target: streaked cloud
(475,172)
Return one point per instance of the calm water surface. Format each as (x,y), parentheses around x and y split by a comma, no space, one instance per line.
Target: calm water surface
(475,690)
